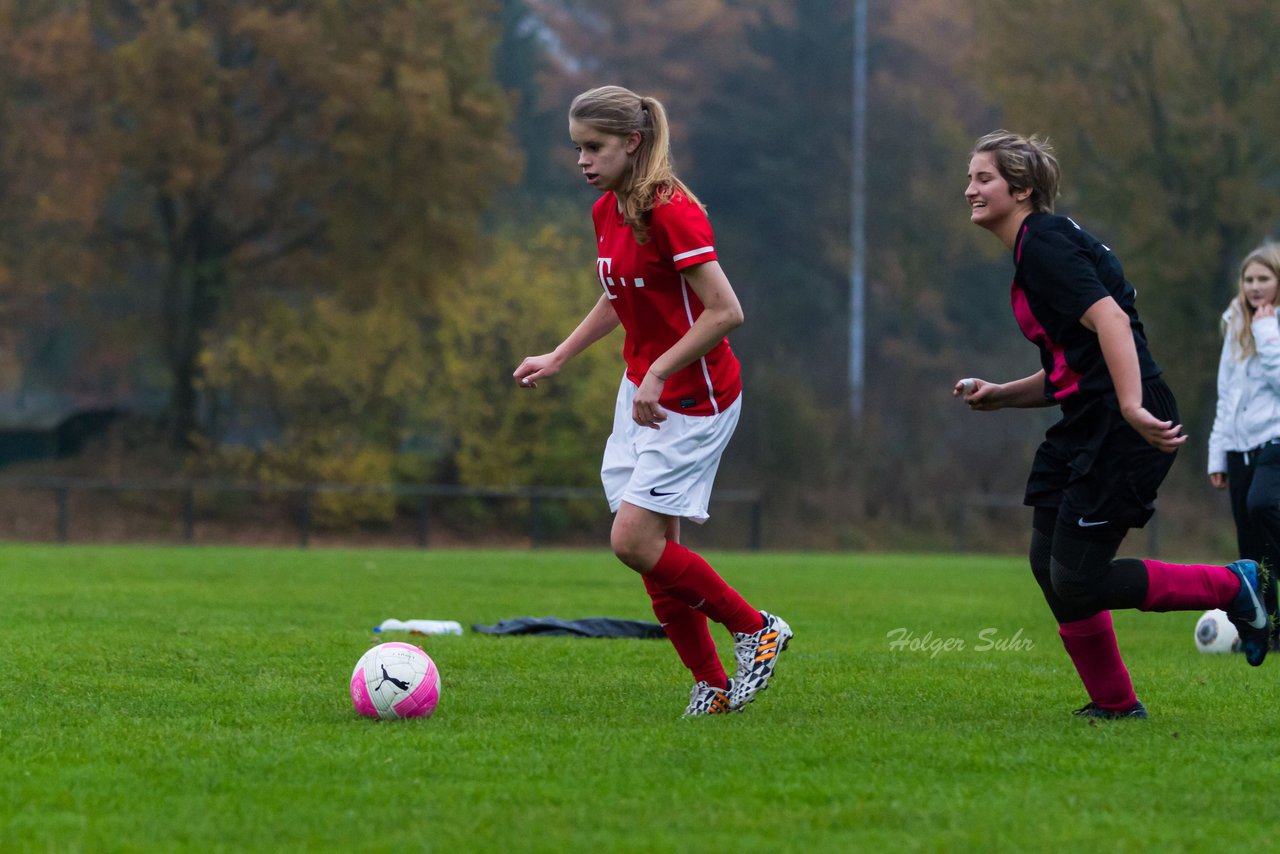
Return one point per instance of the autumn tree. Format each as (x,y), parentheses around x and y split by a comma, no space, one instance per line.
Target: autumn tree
(255,156)
(763,114)
(51,190)
(538,283)
(1161,113)
(674,50)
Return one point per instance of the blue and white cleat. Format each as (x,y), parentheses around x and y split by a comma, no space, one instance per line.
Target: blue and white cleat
(1247,613)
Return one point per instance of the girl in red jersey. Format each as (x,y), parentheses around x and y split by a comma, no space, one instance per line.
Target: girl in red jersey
(1096,474)
(679,399)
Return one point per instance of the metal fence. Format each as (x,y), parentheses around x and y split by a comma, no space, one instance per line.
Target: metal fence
(423,500)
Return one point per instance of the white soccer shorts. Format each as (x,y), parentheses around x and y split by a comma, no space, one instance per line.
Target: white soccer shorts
(669,470)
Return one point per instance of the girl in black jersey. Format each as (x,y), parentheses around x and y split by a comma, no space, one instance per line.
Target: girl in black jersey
(1096,474)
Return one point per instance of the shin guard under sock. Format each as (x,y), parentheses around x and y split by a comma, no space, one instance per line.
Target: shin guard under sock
(1176,587)
(1091,643)
(688,632)
(686,577)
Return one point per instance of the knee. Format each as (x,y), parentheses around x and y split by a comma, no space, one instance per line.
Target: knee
(624,547)
(639,552)
(1074,588)
(638,537)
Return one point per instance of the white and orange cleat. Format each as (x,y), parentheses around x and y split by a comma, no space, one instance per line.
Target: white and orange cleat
(757,656)
(706,700)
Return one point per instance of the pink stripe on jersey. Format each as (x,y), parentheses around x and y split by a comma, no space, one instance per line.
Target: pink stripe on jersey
(1062,378)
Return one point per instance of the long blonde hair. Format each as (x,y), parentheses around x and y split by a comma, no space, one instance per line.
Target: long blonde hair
(652,178)
(1268,255)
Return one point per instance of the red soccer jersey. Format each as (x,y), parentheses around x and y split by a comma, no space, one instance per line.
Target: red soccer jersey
(648,291)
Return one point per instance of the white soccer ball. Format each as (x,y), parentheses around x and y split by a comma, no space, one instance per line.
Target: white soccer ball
(1215,633)
(395,680)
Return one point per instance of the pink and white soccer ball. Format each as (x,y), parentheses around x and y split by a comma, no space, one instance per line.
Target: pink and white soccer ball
(395,680)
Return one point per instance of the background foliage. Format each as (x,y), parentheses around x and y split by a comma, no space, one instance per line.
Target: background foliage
(312,240)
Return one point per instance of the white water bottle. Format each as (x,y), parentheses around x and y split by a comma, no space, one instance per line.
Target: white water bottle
(421,627)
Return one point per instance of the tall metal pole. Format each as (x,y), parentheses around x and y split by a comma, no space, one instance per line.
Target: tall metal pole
(857,219)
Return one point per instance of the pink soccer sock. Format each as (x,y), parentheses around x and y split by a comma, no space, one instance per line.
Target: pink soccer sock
(686,577)
(1091,643)
(1188,587)
(688,632)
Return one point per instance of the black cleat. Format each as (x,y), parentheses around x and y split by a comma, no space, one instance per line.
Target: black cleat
(1093,710)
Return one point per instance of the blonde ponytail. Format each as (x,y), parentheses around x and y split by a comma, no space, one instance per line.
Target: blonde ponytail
(652,179)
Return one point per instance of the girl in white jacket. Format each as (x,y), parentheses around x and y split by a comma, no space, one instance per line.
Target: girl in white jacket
(1244,445)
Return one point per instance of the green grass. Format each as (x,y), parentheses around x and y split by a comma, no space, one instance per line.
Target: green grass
(170,699)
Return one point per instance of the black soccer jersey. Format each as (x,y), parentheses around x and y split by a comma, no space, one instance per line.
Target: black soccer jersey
(1060,272)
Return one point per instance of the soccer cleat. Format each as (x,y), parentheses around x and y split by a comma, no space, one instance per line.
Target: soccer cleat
(1093,710)
(757,656)
(1247,613)
(707,700)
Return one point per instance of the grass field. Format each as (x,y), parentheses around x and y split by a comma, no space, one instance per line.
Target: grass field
(195,699)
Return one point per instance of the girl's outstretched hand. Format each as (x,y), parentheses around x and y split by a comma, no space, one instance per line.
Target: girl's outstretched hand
(979,394)
(534,368)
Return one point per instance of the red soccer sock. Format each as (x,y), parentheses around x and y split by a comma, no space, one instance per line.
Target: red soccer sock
(1091,643)
(1177,587)
(688,632)
(686,577)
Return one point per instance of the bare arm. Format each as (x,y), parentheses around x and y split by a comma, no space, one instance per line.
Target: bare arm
(598,323)
(1108,321)
(721,314)
(1026,393)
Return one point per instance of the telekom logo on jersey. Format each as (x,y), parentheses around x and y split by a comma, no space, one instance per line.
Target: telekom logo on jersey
(604,266)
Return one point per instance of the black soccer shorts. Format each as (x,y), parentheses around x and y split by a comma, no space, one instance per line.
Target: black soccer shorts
(1099,473)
